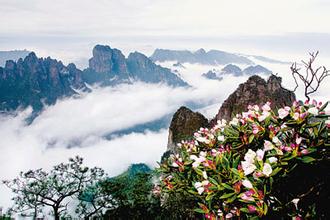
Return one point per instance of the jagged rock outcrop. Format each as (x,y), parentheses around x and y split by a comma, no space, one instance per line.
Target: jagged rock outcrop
(106,67)
(255,91)
(212,75)
(183,125)
(143,69)
(110,67)
(36,81)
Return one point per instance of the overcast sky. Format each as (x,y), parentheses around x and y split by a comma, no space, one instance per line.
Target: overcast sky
(159,17)
(68,29)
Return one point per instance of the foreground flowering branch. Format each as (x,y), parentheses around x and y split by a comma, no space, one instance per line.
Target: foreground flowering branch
(231,168)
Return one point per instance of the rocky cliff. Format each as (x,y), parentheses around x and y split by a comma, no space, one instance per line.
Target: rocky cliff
(143,69)
(255,91)
(183,125)
(110,67)
(106,67)
(36,81)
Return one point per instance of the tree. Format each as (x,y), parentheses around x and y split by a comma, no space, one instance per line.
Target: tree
(95,201)
(36,189)
(312,77)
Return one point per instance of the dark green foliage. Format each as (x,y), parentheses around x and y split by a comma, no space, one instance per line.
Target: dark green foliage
(133,192)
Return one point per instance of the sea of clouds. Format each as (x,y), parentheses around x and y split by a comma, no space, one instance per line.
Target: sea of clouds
(78,126)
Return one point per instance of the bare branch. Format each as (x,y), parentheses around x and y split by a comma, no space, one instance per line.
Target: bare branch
(312,78)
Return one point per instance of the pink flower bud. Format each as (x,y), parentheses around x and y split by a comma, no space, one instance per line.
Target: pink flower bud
(252,208)
(305,151)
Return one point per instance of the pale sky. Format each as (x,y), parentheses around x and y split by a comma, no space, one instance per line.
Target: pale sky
(251,26)
(164,17)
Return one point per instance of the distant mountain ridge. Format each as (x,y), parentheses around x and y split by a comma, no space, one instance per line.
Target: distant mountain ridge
(34,81)
(212,57)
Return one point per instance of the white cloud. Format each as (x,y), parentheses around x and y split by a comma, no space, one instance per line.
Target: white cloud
(88,119)
(106,110)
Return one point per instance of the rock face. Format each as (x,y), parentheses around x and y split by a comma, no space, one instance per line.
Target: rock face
(143,69)
(255,91)
(183,125)
(106,67)
(34,81)
(110,67)
(212,75)
(212,57)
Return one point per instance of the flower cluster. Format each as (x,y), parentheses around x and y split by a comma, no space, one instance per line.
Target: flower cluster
(230,168)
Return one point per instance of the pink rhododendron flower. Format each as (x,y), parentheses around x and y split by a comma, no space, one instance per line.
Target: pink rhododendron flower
(282,113)
(247,184)
(304,151)
(327,122)
(221,138)
(298,140)
(276,141)
(266,107)
(263,116)
(248,167)
(260,154)
(255,129)
(250,155)
(272,160)
(267,169)
(247,196)
(268,145)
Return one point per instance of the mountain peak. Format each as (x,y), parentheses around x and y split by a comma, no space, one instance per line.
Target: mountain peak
(183,125)
(200,51)
(255,91)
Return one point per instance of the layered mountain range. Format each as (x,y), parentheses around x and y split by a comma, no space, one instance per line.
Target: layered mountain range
(212,57)
(37,81)
(236,71)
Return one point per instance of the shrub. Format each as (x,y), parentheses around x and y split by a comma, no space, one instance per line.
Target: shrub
(237,169)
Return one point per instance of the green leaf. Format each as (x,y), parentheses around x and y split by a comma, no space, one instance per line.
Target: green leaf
(251,138)
(199,210)
(213,181)
(209,197)
(265,209)
(307,159)
(324,106)
(227,195)
(276,170)
(235,171)
(232,199)
(244,210)
(227,186)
